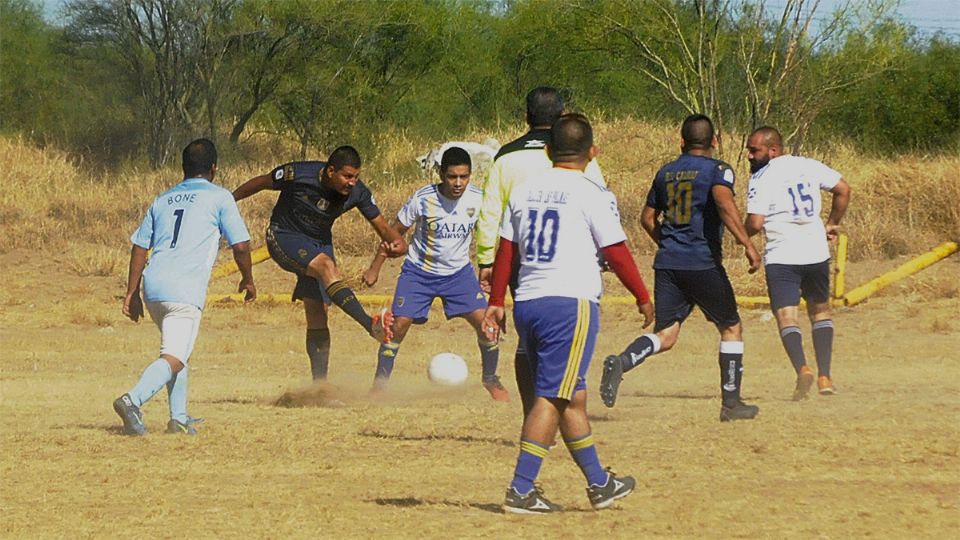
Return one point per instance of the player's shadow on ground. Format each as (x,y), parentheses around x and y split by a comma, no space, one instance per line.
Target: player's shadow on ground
(669,396)
(111,429)
(407,502)
(436,437)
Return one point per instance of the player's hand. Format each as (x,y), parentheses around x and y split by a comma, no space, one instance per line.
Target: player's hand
(397,248)
(832,232)
(753,259)
(249,288)
(133,306)
(494,323)
(370,277)
(647,311)
(486,278)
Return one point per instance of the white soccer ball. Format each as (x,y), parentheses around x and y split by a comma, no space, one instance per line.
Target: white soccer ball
(447,369)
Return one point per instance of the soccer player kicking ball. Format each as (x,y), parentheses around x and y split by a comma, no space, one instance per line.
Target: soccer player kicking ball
(694,197)
(553,225)
(784,202)
(313,194)
(183,228)
(438,265)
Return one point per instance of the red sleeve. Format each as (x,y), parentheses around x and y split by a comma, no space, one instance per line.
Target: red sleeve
(622,264)
(502,265)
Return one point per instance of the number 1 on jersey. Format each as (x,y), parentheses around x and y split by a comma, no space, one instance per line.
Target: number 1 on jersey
(176,226)
(541,245)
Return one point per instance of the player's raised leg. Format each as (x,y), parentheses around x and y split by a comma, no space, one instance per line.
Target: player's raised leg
(324,268)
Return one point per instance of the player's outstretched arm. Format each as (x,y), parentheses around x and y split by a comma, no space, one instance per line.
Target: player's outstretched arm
(730,216)
(241,255)
(650,221)
(372,274)
(841,199)
(253,186)
(132,304)
(393,243)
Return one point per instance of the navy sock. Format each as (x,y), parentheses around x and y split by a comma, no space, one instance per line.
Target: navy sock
(528,465)
(344,298)
(318,349)
(489,357)
(386,355)
(638,351)
(731,370)
(823,345)
(792,341)
(584,452)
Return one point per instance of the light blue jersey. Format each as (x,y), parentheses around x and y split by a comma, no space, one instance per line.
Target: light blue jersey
(183,227)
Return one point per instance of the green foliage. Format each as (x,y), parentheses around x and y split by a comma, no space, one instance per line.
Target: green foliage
(133,79)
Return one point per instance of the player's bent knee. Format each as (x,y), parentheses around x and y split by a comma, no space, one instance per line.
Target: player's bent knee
(175,364)
(732,333)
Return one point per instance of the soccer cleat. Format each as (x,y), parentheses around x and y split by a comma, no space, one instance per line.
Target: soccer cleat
(531,503)
(610,380)
(804,382)
(130,414)
(382,327)
(176,427)
(497,391)
(738,411)
(825,384)
(616,488)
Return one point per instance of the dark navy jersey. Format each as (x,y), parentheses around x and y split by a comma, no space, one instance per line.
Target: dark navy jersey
(690,226)
(307,207)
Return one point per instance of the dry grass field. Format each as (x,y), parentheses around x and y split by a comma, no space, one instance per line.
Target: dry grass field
(880,459)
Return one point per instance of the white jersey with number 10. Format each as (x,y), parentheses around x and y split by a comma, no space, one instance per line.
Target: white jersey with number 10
(559,220)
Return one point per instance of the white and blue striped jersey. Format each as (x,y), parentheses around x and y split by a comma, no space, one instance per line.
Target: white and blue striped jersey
(183,228)
(441,243)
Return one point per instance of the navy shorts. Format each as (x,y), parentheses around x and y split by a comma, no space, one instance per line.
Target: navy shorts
(786,283)
(293,252)
(460,293)
(559,335)
(677,291)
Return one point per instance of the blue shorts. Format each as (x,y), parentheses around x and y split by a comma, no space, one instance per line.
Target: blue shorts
(786,283)
(559,335)
(677,291)
(293,252)
(460,293)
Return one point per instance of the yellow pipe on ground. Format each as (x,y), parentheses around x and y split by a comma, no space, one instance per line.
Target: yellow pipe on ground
(840,271)
(907,269)
(257,256)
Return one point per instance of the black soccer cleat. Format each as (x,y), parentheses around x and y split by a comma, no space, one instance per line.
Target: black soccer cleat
(738,410)
(610,380)
(531,503)
(130,414)
(176,427)
(616,488)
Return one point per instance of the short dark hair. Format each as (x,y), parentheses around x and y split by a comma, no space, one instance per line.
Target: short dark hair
(771,136)
(697,132)
(454,156)
(571,137)
(344,156)
(544,106)
(199,157)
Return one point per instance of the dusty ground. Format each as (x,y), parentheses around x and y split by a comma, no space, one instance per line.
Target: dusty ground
(880,459)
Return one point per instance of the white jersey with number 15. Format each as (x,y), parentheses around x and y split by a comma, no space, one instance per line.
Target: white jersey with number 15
(559,220)
(787,193)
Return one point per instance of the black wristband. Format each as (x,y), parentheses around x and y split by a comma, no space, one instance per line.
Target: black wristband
(482,266)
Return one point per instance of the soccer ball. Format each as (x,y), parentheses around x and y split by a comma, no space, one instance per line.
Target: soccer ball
(447,369)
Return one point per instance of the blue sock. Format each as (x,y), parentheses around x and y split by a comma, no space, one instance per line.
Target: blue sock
(638,351)
(584,452)
(823,345)
(177,396)
(792,341)
(153,379)
(489,357)
(385,358)
(528,465)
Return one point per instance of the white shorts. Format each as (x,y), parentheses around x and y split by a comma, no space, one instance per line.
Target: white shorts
(178,324)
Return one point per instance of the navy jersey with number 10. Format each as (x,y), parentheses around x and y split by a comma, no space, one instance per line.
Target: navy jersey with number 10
(690,229)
